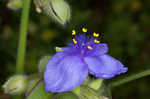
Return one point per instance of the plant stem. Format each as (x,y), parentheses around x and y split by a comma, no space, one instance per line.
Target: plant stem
(130,78)
(23,36)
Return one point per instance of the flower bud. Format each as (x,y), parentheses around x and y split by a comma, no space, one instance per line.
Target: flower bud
(59,10)
(43,62)
(15,4)
(15,85)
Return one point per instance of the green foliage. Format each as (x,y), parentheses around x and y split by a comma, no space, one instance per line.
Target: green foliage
(67,95)
(38,92)
(124,25)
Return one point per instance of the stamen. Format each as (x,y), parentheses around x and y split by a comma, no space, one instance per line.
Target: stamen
(84,29)
(95,34)
(74,41)
(96,41)
(73,32)
(89,47)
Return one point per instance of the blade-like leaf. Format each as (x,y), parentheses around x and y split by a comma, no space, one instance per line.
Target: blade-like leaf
(38,92)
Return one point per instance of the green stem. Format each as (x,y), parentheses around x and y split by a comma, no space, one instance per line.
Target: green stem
(23,36)
(130,78)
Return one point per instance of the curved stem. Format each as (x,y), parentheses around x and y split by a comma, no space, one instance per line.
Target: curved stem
(23,36)
(130,78)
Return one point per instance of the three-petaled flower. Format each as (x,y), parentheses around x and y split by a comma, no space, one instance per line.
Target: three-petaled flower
(69,68)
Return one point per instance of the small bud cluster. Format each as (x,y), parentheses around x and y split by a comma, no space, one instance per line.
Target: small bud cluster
(15,85)
(59,10)
(15,4)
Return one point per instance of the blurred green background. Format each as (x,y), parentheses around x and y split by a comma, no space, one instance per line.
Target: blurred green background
(124,25)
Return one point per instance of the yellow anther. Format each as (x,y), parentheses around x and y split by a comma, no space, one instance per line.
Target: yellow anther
(95,34)
(96,41)
(89,47)
(74,41)
(73,32)
(84,29)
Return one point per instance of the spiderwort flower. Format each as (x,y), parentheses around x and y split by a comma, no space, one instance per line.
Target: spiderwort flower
(68,69)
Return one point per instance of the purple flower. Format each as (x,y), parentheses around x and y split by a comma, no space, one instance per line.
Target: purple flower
(69,68)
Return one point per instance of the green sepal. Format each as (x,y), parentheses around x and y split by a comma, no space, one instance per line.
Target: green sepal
(96,84)
(88,93)
(42,63)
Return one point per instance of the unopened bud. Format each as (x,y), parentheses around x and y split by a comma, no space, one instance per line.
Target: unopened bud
(15,85)
(15,4)
(59,10)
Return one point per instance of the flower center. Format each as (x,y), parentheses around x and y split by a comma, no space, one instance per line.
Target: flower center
(84,43)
